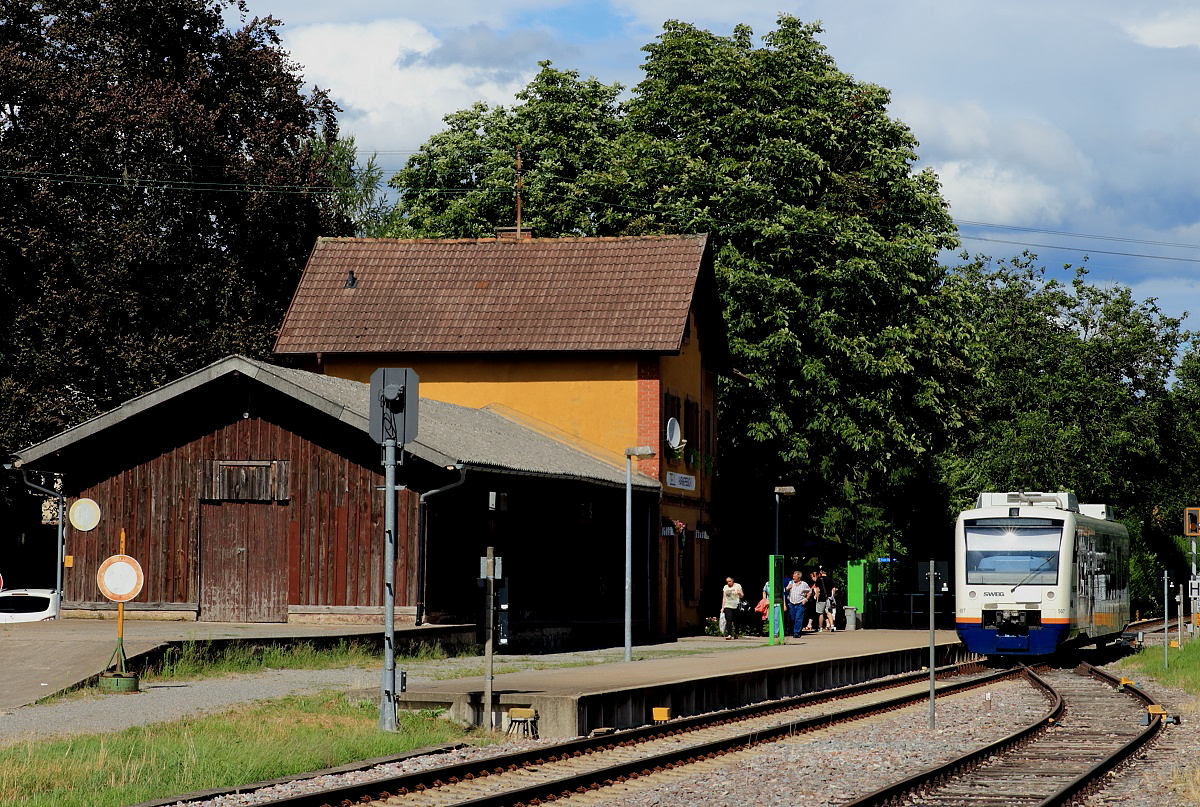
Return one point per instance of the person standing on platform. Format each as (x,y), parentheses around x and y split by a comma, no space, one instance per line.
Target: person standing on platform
(731,595)
(810,607)
(796,591)
(831,608)
(824,584)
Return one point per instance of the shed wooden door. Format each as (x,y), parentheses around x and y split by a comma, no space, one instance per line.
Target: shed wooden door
(243,562)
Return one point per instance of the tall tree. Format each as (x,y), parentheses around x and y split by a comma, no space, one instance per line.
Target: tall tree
(162,191)
(826,240)
(1078,398)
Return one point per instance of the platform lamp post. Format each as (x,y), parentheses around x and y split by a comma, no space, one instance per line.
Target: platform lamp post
(786,490)
(641,452)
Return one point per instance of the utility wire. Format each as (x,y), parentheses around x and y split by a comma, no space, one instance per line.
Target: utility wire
(146,183)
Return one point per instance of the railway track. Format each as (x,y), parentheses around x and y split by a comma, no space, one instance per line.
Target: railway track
(1092,726)
(550,773)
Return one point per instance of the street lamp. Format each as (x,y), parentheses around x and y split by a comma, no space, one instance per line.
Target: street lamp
(786,490)
(641,452)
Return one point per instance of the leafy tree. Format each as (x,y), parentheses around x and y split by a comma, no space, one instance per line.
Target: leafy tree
(462,183)
(826,242)
(358,194)
(165,178)
(1077,398)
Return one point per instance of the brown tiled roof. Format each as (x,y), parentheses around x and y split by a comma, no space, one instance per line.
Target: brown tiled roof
(551,294)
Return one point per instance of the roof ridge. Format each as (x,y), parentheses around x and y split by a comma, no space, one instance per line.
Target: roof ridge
(563,239)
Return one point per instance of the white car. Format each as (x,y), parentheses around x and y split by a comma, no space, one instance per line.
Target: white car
(28,604)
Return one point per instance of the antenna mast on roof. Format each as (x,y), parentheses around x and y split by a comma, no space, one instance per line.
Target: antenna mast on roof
(518,193)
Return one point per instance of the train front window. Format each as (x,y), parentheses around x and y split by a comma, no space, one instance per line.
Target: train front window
(1012,553)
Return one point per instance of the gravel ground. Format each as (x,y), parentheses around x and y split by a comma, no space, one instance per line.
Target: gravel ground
(1156,778)
(850,760)
(829,768)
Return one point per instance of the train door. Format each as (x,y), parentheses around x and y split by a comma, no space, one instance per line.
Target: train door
(1085,591)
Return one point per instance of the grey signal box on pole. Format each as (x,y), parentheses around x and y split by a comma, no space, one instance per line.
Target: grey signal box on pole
(394,403)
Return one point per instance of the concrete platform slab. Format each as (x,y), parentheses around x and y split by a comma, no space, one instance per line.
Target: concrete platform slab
(575,701)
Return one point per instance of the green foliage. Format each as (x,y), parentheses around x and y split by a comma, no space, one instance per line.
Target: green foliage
(1077,384)
(249,744)
(358,189)
(162,192)
(1076,398)
(854,358)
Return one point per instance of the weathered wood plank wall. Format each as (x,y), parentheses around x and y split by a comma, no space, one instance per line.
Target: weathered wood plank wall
(332,530)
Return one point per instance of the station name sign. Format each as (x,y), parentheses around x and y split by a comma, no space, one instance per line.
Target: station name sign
(681,481)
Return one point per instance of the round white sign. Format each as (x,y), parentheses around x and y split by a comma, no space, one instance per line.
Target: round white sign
(84,514)
(120,578)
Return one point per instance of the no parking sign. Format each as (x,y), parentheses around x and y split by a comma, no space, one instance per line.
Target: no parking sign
(120,578)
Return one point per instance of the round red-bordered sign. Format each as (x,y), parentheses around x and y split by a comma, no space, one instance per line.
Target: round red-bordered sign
(120,578)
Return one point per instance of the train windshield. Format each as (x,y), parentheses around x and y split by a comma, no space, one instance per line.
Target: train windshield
(1013,553)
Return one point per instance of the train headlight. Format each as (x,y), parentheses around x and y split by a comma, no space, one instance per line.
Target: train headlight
(971,594)
(1049,595)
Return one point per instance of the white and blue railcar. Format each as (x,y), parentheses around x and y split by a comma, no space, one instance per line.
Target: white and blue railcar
(1037,571)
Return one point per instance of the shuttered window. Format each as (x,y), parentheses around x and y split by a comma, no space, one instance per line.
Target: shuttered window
(246,480)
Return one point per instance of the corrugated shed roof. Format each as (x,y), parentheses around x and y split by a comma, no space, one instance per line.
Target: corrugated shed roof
(447,433)
(542,294)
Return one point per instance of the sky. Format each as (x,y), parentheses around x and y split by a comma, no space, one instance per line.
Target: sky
(1068,128)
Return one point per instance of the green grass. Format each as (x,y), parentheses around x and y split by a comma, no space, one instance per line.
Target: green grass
(1183,665)
(250,743)
(199,659)
(247,744)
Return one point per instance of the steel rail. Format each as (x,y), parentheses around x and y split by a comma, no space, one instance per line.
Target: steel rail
(898,791)
(892,793)
(1093,774)
(465,771)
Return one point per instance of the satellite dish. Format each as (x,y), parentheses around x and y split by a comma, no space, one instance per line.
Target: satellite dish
(674,436)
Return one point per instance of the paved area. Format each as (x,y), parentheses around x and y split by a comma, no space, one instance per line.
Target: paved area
(41,658)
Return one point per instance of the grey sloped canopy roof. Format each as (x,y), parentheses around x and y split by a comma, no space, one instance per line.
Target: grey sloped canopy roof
(487,439)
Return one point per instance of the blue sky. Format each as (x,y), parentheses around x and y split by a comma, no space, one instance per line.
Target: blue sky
(1068,128)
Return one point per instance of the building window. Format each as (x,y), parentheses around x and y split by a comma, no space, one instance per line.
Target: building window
(691,431)
(245,480)
(709,439)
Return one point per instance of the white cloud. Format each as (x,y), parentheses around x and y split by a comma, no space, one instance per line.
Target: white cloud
(393,99)
(1000,169)
(985,190)
(1172,29)
(449,13)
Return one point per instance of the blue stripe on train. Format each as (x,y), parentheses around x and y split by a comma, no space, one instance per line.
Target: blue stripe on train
(987,641)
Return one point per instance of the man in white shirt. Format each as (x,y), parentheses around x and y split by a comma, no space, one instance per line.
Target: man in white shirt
(797,591)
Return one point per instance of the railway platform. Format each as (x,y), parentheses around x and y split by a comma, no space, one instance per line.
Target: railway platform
(706,674)
(576,701)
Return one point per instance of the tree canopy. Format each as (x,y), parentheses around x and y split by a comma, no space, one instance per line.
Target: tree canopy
(826,238)
(165,178)
(1077,396)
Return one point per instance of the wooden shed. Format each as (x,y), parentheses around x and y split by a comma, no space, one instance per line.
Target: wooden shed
(253,493)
